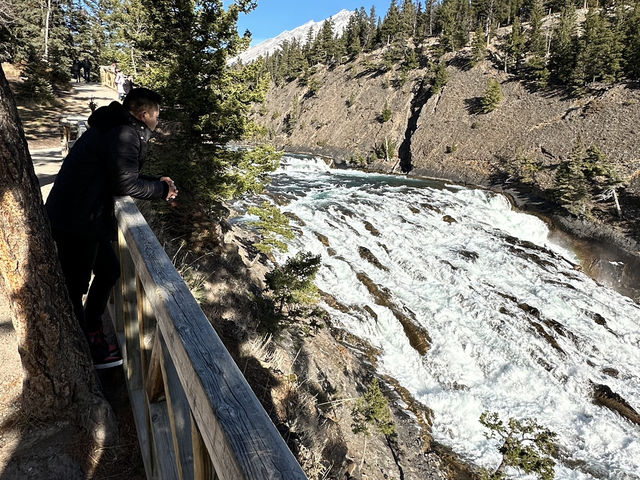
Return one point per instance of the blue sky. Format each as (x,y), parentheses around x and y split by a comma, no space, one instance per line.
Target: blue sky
(272,17)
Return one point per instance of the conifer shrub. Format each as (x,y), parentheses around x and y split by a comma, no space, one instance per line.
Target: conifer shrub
(372,412)
(293,282)
(492,96)
(524,444)
(440,78)
(583,177)
(36,86)
(385,115)
(272,225)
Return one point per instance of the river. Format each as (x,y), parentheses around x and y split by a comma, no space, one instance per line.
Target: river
(507,321)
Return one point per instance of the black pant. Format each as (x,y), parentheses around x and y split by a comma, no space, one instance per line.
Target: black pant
(80,256)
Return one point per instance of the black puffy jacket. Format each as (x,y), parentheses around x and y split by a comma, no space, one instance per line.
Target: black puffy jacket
(104,162)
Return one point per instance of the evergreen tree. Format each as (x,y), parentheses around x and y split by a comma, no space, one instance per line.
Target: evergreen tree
(478,46)
(599,57)
(632,44)
(372,411)
(492,96)
(514,47)
(571,183)
(326,42)
(536,43)
(391,25)
(564,45)
(525,445)
(292,283)
(272,225)
(440,78)
(408,19)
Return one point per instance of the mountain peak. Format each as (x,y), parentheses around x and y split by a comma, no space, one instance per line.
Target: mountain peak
(298,34)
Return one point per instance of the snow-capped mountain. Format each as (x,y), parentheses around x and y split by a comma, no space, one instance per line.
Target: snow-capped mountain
(300,33)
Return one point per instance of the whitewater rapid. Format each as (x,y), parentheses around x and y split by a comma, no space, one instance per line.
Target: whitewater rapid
(514,325)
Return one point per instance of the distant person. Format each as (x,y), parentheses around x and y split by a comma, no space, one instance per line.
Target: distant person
(75,70)
(128,85)
(86,69)
(104,162)
(120,79)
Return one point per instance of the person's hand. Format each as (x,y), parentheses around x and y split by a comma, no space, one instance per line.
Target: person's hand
(173,190)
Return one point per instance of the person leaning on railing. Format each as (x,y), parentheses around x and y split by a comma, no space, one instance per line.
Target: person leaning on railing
(104,162)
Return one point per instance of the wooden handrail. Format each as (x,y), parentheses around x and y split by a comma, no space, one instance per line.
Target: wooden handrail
(195,413)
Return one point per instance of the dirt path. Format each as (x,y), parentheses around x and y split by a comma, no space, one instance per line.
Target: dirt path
(35,450)
(41,124)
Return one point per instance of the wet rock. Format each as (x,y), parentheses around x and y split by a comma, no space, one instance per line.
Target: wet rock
(371,229)
(504,311)
(612,372)
(334,303)
(473,256)
(370,311)
(543,333)
(367,255)
(417,335)
(426,206)
(529,309)
(599,319)
(323,239)
(604,396)
(449,219)
(295,218)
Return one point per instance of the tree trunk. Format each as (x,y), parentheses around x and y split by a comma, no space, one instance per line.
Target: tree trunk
(46,32)
(58,377)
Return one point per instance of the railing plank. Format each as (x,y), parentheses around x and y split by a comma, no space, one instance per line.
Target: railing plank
(154,385)
(202,468)
(164,459)
(179,415)
(146,329)
(241,440)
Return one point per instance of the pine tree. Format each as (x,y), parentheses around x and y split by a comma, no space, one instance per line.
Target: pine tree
(525,445)
(478,46)
(632,44)
(293,282)
(536,44)
(440,78)
(408,19)
(272,225)
(327,42)
(562,62)
(514,47)
(391,25)
(447,25)
(492,96)
(372,411)
(599,57)
(571,183)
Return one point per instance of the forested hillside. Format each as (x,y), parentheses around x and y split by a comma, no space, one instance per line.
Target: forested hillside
(537,96)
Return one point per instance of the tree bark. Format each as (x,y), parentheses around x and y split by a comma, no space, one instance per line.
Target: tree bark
(46,32)
(58,377)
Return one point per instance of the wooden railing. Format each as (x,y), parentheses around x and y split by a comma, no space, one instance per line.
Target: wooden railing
(196,416)
(108,77)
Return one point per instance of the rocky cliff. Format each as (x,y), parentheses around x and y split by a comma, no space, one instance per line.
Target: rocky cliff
(445,135)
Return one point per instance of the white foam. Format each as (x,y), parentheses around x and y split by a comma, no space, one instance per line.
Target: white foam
(459,279)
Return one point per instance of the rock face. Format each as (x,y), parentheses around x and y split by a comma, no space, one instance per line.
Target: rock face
(444,135)
(454,139)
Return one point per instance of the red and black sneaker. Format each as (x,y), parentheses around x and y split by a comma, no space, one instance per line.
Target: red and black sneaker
(103,354)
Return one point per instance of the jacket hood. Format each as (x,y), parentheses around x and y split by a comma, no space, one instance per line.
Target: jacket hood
(105,118)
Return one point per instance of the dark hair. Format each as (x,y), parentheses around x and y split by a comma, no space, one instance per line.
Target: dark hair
(139,99)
